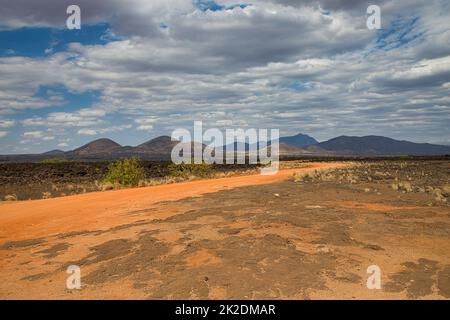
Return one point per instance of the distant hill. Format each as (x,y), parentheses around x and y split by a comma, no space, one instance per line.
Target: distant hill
(99,146)
(163,144)
(292,142)
(55,152)
(159,148)
(106,149)
(379,145)
(300,140)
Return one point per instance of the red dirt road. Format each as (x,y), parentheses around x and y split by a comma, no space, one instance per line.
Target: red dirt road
(103,210)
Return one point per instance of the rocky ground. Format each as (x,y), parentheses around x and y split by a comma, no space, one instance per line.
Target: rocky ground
(312,235)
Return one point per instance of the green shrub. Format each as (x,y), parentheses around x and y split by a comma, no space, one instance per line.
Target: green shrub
(185,171)
(126,172)
(203,170)
(179,170)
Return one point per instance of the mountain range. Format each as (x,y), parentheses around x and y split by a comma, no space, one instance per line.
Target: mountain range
(298,145)
(378,145)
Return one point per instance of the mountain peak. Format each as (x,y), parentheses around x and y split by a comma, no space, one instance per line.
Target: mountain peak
(161,139)
(54,152)
(159,144)
(299,140)
(97,146)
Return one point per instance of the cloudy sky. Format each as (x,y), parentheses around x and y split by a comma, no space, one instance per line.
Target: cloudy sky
(138,69)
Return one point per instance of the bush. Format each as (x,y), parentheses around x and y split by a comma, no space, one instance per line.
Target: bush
(203,170)
(185,171)
(125,172)
(303,177)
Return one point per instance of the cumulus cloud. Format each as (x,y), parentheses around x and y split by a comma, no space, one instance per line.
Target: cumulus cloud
(93,132)
(7,123)
(81,118)
(52,13)
(33,135)
(296,65)
(145,127)
(87,132)
(424,73)
(145,123)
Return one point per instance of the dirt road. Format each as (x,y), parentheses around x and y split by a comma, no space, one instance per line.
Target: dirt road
(103,210)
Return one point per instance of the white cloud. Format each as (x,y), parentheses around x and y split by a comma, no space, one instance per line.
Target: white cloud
(91,112)
(146,123)
(52,13)
(87,132)
(81,118)
(145,127)
(115,128)
(3,134)
(7,123)
(111,128)
(33,135)
(62,145)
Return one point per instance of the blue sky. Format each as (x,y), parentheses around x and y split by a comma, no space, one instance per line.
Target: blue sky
(42,42)
(134,72)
